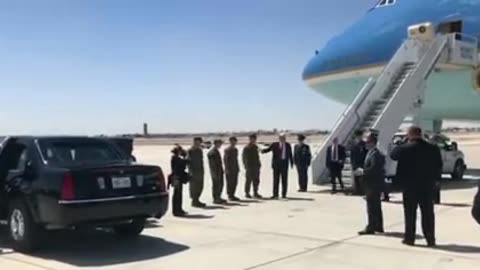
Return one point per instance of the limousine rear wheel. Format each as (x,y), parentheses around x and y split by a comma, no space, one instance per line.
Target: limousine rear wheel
(134,228)
(24,232)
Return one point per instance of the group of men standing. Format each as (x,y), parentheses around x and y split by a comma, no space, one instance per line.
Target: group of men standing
(418,171)
(228,167)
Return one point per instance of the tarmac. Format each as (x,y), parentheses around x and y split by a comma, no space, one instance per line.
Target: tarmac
(314,230)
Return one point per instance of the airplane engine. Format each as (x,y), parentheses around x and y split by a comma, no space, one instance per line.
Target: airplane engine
(476,79)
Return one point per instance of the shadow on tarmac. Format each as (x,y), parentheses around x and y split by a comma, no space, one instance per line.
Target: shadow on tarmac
(459,248)
(300,199)
(96,248)
(197,216)
(399,235)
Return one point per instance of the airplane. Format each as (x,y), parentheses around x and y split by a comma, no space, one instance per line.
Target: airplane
(343,66)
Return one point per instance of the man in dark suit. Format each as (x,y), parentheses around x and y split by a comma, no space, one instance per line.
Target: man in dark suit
(282,157)
(374,180)
(419,169)
(476,207)
(336,156)
(303,158)
(357,157)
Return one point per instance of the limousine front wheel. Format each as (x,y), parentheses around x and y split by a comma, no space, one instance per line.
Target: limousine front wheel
(24,232)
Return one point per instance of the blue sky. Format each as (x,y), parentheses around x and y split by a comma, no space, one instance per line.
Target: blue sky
(107,66)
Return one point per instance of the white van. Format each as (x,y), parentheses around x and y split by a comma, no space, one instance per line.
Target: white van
(453,159)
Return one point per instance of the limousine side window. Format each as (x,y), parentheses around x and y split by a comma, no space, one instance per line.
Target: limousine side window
(13,157)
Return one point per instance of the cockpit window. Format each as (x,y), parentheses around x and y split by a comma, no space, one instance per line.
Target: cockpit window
(384,3)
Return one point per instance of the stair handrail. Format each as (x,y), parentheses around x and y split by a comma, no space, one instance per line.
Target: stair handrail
(352,108)
(437,47)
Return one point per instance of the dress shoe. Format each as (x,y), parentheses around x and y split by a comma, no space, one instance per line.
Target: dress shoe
(380,231)
(431,243)
(274,198)
(219,201)
(198,204)
(408,243)
(258,196)
(234,199)
(248,196)
(366,232)
(180,214)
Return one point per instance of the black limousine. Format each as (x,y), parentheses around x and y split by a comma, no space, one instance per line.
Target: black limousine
(51,183)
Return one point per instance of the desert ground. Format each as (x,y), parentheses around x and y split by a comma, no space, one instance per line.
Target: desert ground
(315,230)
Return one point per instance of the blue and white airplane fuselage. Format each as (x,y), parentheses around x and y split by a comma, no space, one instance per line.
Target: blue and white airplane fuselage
(343,66)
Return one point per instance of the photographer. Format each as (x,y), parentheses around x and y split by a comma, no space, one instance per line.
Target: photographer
(419,168)
(178,178)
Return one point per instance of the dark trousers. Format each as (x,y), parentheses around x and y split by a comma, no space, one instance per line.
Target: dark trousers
(336,173)
(358,185)
(302,177)
(252,179)
(196,185)
(177,199)
(280,172)
(374,210)
(424,200)
(217,186)
(232,182)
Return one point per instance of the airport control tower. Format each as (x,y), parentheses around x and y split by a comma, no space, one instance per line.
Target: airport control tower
(145,129)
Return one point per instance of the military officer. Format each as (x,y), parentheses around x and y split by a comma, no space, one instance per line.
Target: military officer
(230,158)
(216,171)
(302,158)
(196,170)
(251,161)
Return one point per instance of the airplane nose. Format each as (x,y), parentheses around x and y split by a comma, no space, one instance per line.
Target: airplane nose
(370,41)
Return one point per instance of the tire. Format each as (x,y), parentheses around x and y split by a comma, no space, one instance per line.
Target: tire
(458,171)
(24,233)
(132,229)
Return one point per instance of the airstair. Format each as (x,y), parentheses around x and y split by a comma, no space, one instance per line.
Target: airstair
(384,102)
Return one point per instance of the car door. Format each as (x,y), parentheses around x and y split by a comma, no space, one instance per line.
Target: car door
(12,157)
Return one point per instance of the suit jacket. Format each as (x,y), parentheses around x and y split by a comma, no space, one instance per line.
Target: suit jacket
(358,154)
(179,170)
(342,155)
(302,155)
(374,172)
(276,150)
(419,166)
(476,207)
